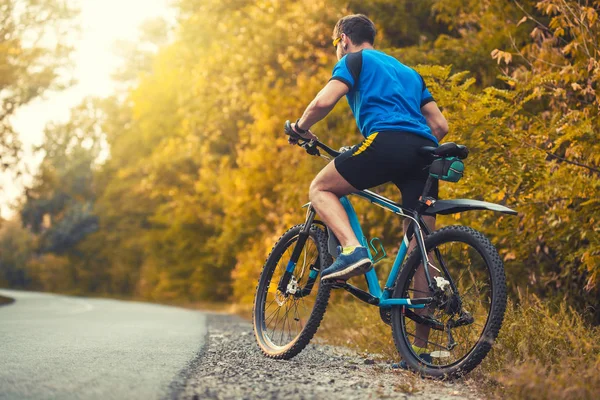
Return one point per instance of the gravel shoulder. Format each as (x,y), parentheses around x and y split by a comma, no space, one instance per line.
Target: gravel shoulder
(231,366)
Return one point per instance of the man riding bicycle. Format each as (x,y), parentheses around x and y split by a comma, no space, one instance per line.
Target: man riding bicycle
(395,113)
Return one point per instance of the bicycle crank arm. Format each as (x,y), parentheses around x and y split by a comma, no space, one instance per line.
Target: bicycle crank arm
(427,321)
(356,292)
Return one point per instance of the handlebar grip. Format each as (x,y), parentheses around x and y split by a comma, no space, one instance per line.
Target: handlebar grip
(308,145)
(290,132)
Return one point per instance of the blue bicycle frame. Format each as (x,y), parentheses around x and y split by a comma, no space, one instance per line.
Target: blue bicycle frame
(376,295)
(371,276)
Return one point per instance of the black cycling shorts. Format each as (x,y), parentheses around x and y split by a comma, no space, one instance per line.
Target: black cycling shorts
(389,157)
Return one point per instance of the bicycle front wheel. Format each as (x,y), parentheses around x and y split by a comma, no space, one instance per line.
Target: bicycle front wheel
(285,322)
(456,331)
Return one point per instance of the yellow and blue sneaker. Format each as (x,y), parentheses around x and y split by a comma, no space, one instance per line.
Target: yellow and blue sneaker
(350,262)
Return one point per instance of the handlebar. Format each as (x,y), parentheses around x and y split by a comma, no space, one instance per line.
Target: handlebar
(311,146)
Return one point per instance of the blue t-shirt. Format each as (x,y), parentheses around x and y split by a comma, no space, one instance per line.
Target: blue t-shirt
(385,95)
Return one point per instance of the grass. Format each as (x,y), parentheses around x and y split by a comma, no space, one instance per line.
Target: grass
(542,352)
(545,352)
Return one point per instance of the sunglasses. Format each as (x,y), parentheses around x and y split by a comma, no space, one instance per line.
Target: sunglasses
(336,41)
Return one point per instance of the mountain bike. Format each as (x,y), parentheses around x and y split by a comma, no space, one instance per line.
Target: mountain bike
(458,315)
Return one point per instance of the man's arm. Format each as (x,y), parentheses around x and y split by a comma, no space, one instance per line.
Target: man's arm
(322,104)
(435,120)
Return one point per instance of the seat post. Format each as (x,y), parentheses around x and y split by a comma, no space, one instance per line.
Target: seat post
(427,187)
(425,200)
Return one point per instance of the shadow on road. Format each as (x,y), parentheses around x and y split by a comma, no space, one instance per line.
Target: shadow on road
(6,300)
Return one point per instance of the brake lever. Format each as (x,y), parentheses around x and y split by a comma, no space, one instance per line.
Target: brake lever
(300,141)
(312,149)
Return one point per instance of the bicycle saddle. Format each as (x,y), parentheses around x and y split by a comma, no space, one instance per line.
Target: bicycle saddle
(449,149)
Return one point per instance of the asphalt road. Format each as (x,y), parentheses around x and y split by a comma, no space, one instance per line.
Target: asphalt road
(58,347)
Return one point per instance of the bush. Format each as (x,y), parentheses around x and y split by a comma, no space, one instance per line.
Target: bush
(545,352)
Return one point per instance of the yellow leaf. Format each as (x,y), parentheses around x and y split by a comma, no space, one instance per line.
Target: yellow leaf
(592,15)
(501,55)
(559,32)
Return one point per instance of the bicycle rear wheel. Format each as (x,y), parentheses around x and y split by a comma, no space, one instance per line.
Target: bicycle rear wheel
(459,328)
(284,323)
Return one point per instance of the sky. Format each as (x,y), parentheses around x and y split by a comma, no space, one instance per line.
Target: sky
(102,23)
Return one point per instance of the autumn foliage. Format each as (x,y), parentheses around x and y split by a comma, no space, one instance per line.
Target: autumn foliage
(201,181)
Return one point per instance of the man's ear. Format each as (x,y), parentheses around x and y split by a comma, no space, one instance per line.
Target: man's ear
(345,40)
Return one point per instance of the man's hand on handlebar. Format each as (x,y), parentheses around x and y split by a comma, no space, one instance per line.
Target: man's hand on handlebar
(308,141)
(308,135)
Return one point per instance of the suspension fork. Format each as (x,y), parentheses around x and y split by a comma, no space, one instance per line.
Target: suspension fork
(302,237)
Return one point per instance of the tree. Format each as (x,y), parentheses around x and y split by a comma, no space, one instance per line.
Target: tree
(16,247)
(59,203)
(33,49)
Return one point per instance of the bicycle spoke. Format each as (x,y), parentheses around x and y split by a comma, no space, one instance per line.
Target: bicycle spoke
(297,318)
(429,342)
(291,334)
(276,319)
(270,318)
(287,311)
(270,303)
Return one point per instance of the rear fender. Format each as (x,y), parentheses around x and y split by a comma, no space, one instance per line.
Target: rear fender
(445,207)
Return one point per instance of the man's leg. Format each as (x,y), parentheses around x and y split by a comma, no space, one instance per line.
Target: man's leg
(325,192)
(420,285)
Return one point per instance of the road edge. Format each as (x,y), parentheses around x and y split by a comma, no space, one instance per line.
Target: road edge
(179,382)
(4,301)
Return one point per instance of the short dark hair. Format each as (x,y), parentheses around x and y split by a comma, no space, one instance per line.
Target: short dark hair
(358,27)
